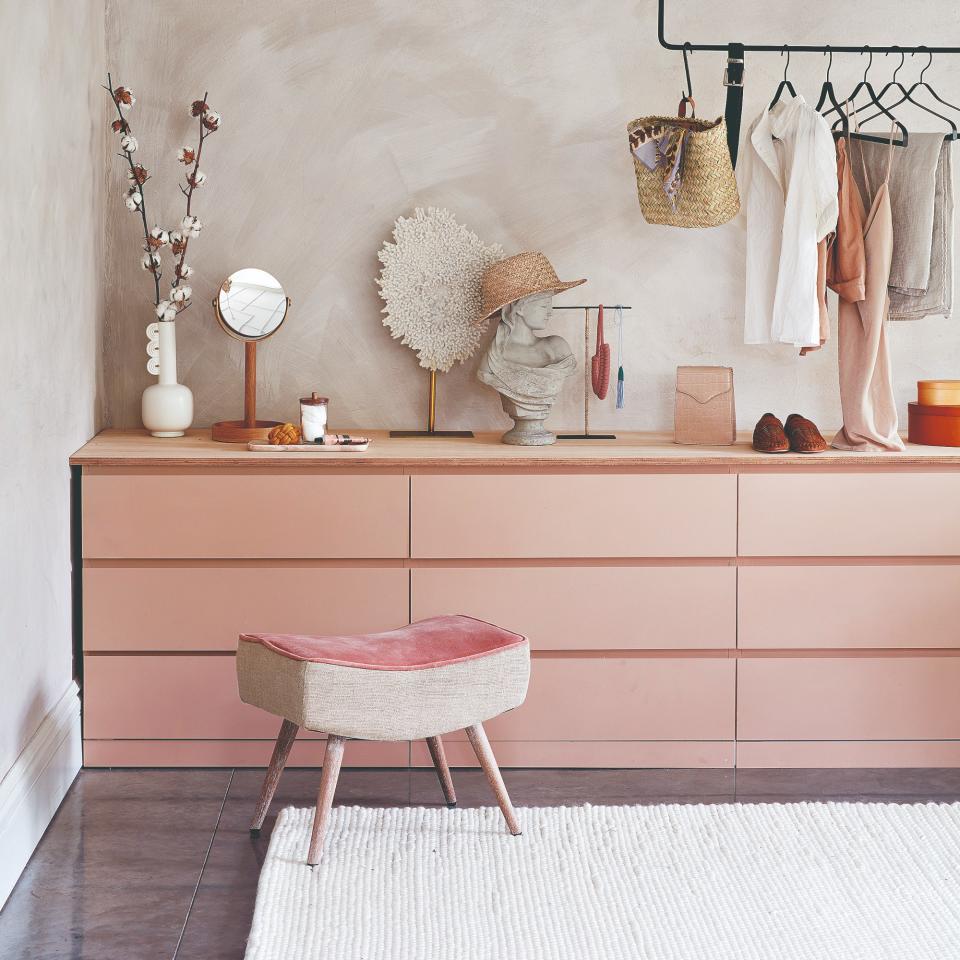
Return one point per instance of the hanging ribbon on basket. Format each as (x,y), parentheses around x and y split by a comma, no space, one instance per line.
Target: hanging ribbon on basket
(600,362)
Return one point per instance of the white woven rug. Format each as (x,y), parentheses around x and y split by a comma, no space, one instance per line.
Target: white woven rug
(673,882)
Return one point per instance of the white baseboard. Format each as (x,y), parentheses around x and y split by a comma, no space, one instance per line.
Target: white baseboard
(32,789)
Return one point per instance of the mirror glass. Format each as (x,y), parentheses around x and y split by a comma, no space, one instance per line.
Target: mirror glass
(251,304)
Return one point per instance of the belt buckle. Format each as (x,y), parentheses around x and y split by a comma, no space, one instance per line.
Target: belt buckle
(727,82)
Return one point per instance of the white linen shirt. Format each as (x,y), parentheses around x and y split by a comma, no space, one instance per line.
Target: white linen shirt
(790,182)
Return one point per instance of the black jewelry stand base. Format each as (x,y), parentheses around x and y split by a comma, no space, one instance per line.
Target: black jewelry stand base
(431,433)
(586,436)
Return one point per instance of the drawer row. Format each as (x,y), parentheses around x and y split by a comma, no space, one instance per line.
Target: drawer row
(144,607)
(301,514)
(658,699)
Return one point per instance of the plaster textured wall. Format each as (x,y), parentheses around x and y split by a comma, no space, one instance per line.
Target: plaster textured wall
(340,116)
(52,197)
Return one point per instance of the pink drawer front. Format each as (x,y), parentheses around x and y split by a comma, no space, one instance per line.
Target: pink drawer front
(848,698)
(205,606)
(195,698)
(235,753)
(849,606)
(217,514)
(850,515)
(597,515)
(636,698)
(169,698)
(589,607)
(585,754)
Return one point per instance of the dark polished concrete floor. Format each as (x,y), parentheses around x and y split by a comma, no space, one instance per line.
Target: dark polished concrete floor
(159,864)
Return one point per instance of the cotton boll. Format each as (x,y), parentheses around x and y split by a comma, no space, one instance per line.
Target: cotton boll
(165,310)
(191,226)
(128,143)
(124,98)
(150,261)
(180,294)
(158,238)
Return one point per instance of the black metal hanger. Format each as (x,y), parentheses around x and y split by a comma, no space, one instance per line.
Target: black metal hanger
(785,84)
(927,86)
(908,98)
(828,93)
(865,84)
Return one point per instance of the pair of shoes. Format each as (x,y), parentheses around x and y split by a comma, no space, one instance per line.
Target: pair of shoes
(798,434)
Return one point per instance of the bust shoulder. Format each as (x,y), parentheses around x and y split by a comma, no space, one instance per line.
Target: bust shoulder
(556,347)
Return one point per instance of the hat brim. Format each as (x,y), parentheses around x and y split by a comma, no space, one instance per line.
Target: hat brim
(549,288)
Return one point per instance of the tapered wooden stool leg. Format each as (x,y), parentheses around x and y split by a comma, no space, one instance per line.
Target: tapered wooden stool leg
(281,750)
(443,771)
(481,747)
(332,758)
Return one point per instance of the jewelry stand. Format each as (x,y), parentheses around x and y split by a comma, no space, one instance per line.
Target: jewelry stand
(432,430)
(587,384)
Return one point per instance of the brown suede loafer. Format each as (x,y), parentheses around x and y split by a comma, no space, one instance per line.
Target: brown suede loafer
(803,435)
(769,435)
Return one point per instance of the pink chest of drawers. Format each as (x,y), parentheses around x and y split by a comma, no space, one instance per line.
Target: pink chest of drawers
(686,607)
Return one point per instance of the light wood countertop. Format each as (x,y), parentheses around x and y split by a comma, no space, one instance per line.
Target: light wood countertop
(135,448)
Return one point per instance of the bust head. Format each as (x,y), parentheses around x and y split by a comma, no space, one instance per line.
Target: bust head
(533,311)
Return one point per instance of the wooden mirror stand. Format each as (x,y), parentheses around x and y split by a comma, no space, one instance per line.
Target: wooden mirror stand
(249,428)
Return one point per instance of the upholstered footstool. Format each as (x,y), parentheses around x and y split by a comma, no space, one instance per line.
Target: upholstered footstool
(417,682)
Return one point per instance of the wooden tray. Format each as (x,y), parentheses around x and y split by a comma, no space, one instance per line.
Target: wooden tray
(310,447)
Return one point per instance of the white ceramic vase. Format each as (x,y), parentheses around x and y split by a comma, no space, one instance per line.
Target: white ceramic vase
(167,406)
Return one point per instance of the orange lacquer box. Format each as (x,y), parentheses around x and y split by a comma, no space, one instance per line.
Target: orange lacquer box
(934,426)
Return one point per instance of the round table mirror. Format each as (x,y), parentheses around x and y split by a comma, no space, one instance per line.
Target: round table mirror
(250,306)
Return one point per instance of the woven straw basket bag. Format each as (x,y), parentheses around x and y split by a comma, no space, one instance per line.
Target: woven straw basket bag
(708,193)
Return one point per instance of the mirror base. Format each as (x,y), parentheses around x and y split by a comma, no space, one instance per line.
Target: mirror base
(235,431)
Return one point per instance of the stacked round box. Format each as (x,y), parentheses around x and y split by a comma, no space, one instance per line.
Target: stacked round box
(934,420)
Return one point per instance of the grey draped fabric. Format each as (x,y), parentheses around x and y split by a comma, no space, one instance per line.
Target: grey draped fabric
(921,195)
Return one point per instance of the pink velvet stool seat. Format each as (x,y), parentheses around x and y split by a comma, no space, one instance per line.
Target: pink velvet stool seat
(416,682)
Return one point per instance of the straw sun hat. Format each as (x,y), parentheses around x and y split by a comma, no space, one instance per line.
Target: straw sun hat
(516,277)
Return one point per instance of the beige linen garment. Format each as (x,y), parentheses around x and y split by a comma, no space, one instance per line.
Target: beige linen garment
(921,199)
(789,179)
(866,384)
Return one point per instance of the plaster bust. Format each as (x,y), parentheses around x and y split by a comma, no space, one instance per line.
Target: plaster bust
(527,370)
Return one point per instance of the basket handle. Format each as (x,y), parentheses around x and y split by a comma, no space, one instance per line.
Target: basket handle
(682,109)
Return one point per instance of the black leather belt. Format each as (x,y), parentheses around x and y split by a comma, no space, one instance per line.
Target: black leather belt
(733,81)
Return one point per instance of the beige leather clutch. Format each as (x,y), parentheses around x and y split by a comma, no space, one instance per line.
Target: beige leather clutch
(704,411)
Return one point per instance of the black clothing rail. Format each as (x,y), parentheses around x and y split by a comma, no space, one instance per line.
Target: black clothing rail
(794,48)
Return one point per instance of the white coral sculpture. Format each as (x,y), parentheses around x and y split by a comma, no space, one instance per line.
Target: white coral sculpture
(430,283)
